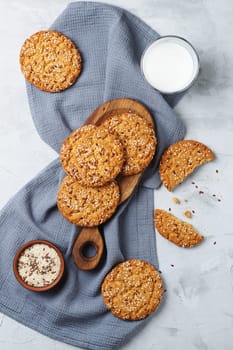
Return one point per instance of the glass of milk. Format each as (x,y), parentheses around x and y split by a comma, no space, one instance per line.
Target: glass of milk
(170,64)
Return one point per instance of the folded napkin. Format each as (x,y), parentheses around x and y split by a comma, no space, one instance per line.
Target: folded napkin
(111,41)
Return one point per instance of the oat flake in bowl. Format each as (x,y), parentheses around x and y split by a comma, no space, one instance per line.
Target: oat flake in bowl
(38,265)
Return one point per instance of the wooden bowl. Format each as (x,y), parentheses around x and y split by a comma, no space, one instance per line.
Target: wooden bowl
(22,282)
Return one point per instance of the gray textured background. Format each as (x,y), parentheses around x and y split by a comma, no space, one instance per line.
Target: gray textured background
(198,308)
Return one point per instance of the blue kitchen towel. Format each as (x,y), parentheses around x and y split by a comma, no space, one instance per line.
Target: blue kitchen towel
(111,41)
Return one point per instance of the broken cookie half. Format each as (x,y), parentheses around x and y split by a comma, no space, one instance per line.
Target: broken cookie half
(181,159)
(175,230)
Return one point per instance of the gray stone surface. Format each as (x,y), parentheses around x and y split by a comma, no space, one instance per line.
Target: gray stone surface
(197,312)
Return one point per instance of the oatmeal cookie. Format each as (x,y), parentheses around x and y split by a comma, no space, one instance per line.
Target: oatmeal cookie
(132,290)
(87,206)
(50,61)
(137,137)
(92,156)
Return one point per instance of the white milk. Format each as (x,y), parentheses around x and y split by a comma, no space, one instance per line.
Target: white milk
(170,64)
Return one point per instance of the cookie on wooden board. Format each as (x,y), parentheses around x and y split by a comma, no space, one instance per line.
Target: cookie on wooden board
(137,137)
(175,230)
(132,290)
(181,159)
(50,61)
(92,156)
(87,206)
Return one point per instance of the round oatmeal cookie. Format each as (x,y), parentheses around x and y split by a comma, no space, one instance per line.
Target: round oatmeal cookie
(50,61)
(132,290)
(87,206)
(137,137)
(181,159)
(92,156)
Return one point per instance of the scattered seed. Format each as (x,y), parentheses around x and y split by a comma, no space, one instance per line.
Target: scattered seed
(196,186)
(216,170)
(176,200)
(188,214)
(219,200)
(201,192)
(193,211)
(186,201)
(160,271)
(165,290)
(169,209)
(172,265)
(214,195)
(214,242)
(193,183)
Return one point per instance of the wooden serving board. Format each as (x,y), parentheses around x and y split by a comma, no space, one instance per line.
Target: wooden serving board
(127,184)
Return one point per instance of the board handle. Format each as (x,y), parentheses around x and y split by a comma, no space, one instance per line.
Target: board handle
(88,237)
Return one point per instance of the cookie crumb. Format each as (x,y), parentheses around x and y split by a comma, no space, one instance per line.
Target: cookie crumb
(176,200)
(188,214)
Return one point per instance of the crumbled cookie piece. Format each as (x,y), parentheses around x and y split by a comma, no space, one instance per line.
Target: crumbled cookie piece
(50,61)
(188,214)
(176,200)
(132,290)
(175,230)
(180,160)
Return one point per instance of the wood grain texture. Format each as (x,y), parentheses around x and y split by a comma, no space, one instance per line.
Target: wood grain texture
(88,236)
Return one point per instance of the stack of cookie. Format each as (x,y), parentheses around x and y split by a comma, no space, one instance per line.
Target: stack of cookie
(93,157)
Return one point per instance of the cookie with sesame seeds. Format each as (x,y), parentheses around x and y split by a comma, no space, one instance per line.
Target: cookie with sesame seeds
(175,230)
(138,138)
(92,155)
(181,159)
(132,290)
(87,206)
(50,61)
